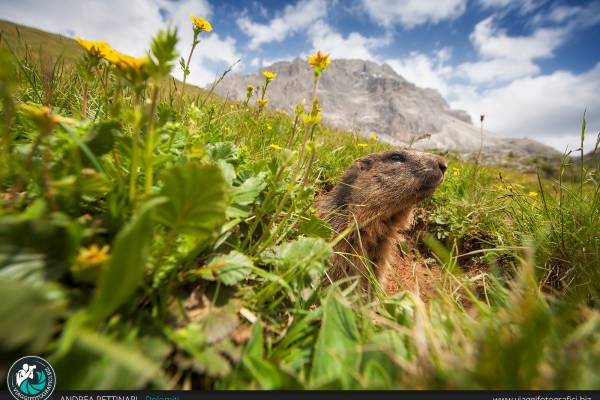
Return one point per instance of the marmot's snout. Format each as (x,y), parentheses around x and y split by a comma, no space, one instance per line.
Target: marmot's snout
(437,169)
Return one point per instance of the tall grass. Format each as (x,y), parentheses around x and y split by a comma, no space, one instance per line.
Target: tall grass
(152,242)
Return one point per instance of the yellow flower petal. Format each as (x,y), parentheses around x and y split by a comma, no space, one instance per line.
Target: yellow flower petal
(533,194)
(319,61)
(93,255)
(201,24)
(269,75)
(275,147)
(362,145)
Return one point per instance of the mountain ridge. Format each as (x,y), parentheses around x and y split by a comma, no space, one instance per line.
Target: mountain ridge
(370,98)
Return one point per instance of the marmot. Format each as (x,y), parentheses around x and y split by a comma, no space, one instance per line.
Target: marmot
(374,202)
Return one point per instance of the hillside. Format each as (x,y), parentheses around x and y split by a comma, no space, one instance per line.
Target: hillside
(21,38)
(369,98)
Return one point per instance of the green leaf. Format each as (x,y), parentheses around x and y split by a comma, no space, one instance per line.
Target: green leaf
(228,171)
(306,253)
(28,316)
(248,191)
(226,151)
(315,226)
(101,138)
(245,195)
(125,271)
(268,375)
(254,347)
(97,362)
(196,199)
(229,269)
(35,249)
(163,53)
(337,351)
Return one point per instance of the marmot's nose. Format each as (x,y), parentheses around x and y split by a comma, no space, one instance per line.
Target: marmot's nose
(443,166)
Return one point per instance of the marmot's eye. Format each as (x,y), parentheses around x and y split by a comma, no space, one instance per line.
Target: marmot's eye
(398,157)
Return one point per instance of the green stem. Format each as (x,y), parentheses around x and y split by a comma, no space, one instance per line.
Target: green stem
(186,71)
(150,142)
(135,149)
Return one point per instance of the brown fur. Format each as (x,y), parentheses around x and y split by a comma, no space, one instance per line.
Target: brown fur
(372,204)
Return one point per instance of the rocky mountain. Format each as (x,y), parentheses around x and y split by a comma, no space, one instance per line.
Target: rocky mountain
(367,98)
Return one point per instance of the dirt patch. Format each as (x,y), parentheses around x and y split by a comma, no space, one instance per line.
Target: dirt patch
(416,275)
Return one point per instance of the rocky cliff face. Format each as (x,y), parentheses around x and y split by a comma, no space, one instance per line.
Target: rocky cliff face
(368,98)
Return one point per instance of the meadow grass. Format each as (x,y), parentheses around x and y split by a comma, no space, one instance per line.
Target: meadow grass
(156,238)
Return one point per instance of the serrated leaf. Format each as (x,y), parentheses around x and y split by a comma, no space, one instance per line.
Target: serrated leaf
(196,199)
(306,252)
(248,191)
(226,151)
(230,268)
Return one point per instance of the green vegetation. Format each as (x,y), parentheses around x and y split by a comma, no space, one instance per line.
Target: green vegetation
(150,238)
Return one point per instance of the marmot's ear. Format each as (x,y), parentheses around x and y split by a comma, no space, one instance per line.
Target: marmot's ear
(365,164)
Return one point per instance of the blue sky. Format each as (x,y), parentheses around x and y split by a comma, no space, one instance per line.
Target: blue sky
(532,66)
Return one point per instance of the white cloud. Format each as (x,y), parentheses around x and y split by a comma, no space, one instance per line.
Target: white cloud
(497,70)
(524,6)
(503,57)
(425,71)
(411,13)
(128,26)
(573,16)
(355,45)
(294,18)
(492,42)
(546,107)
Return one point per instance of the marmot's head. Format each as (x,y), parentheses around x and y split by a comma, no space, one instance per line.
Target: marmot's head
(390,181)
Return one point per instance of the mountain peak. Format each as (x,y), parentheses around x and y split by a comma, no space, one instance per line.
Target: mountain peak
(369,98)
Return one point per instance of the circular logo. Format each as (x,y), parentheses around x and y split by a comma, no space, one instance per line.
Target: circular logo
(31,378)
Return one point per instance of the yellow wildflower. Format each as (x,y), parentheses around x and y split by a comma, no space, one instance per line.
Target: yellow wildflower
(262,103)
(275,147)
(319,61)
(311,118)
(125,62)
(98,49)
(44,113)
(456,171)
(120,60)
(201,24)
(93,255)
(373,137)
(362,145)
(269,127)
(269,76)
(533,194)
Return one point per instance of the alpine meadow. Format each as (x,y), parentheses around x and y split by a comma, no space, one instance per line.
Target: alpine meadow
(157,235)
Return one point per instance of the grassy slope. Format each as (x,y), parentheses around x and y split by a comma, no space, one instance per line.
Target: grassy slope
(51,44)
(257,317)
